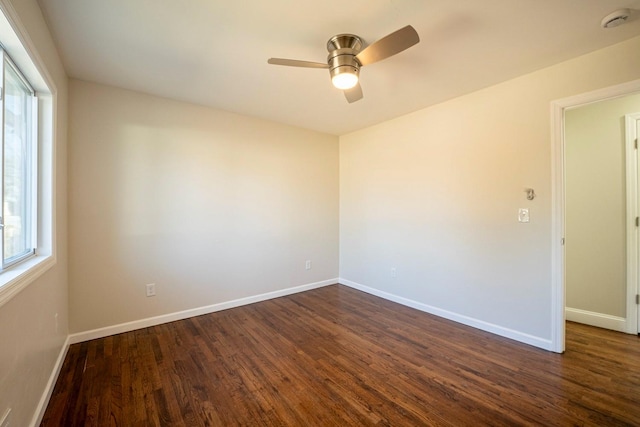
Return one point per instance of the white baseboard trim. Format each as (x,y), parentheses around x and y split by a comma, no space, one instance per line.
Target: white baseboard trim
(545,344)
(180,315)
(51,383)
(596,319)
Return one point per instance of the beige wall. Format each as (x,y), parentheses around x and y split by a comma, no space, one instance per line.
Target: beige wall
(596,206)
(29,340)
(208,205)
(435,194)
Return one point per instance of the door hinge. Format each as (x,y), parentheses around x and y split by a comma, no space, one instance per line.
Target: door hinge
(635,144)
(637,299)
(637,221)
(562,241)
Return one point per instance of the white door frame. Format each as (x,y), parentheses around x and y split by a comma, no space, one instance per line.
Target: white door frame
(631,134)
(558,108)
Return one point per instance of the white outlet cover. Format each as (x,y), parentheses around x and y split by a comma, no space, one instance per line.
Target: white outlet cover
(523,215)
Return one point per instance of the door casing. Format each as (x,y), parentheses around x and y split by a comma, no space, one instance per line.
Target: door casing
(558,108)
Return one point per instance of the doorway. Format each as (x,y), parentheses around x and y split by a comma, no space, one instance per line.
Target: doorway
(620,311)
(601,193)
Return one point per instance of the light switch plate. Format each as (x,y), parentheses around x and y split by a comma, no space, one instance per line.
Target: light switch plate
(523,215)
(151,289)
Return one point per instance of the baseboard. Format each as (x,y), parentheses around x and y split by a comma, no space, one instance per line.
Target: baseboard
(180,315)
(51,383)
(465,320)
(596,319)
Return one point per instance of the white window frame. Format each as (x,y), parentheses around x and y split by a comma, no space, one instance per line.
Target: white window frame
(32,172)
(18,45)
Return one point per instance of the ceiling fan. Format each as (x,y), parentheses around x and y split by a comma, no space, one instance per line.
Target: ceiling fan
(346,56)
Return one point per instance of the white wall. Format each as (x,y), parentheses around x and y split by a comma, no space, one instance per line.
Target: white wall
(435,194)
(596,205)
(208,205)
(30,343)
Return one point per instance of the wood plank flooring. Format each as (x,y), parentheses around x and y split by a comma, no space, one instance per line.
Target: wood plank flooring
(335,356)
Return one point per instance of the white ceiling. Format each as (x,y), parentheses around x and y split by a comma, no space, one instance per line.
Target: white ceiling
(215,52)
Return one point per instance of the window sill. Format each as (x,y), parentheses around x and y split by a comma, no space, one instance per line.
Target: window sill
(20,276)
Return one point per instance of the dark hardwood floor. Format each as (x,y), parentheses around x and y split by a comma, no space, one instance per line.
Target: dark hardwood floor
(338,357)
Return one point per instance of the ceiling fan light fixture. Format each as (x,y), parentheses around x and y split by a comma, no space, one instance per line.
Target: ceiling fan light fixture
(346,57)
(344,68)
(344,78)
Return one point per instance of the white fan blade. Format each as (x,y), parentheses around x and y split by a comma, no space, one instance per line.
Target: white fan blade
(354,94)
(389,45)
(296,63)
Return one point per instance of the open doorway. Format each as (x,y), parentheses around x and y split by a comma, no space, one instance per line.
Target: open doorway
(625,311)
(600,229)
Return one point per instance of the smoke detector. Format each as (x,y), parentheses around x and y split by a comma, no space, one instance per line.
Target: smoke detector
(616,18)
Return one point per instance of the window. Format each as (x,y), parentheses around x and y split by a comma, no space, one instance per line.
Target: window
(29,108)
(19,148)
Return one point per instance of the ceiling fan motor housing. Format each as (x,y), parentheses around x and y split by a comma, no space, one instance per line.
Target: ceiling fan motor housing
(343,49)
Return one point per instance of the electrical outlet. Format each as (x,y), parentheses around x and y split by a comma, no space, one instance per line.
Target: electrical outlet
(307,265)
(393,272)
(5,421)
(151,291)
(523,215)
